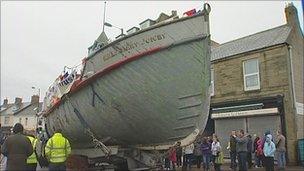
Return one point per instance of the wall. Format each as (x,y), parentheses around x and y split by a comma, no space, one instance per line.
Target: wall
(7,113)
(297,64)
(274,80)
(31,122)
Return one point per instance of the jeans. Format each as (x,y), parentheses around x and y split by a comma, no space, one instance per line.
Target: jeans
(269,163)
(188,160)
(206,161)
(198,161)
(257,160)
(242,159)
(57,167)
(233,159)
(178,160)
(249,159)
(167,163)
(281,159)
(217,167)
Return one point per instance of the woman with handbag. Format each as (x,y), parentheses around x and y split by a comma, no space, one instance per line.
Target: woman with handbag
(215,150)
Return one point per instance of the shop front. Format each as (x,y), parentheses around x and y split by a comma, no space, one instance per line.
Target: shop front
(254,116)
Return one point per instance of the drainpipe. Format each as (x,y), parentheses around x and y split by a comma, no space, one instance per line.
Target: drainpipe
(292,77)
(292,91)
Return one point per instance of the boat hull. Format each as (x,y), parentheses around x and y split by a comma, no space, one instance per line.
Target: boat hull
(158,98)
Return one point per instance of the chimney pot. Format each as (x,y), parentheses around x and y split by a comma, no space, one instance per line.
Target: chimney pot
(5,102)
(173,13)
(291,14)
(18,101)
(34,99)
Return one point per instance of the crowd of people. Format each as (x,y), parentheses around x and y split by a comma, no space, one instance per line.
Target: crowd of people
(19,151)
(207,152)
(204,152)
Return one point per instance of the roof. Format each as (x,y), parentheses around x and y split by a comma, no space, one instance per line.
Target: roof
(102,38)
(29,110)
(5,108)
(133,28)
(267,38)
(12,109)
(147,20)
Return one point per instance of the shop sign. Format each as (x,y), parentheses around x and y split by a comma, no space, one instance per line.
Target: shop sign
(245,113)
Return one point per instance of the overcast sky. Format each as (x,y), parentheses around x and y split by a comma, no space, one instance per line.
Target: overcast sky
(39,38)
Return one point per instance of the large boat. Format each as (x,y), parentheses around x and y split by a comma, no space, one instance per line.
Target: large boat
(149,88)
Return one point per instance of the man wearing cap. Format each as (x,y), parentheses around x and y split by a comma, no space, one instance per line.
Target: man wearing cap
(17,148)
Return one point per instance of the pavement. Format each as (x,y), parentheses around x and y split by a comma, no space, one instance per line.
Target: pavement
(225,167)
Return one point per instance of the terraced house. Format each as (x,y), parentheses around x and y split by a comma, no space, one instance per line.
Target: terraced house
(258,84)
(20,112)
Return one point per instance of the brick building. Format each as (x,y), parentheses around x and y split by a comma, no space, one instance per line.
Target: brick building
(258,84)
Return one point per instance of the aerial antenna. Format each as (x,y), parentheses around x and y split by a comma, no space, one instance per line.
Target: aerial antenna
(104,16)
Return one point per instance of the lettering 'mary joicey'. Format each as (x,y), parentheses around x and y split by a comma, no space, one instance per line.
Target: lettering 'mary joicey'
(132,45)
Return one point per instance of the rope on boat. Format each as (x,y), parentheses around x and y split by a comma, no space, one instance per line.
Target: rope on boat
(87,130)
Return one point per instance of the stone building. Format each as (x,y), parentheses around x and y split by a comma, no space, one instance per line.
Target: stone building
(258,84)
(20,112)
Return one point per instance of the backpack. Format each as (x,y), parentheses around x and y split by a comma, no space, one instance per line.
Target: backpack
(259,149)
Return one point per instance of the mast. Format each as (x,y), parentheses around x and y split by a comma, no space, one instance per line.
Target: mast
(104,16)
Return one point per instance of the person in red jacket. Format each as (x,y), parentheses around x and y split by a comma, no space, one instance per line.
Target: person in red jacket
(172,157)
(258,151)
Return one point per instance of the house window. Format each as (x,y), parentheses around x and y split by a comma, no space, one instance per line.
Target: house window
(251,74)
(212,82)
(6,120)
(26,119)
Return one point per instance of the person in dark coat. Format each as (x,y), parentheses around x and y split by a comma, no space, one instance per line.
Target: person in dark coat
(206,151)
(241,149)
(198,153)
(179,154)
(249,151)
(232,149)
(17,148)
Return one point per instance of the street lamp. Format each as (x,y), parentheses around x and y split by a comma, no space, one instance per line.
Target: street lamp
(37,108)
(110,25)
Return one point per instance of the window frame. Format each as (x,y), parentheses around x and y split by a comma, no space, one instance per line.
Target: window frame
(257,87)
(6,120)
(26,121)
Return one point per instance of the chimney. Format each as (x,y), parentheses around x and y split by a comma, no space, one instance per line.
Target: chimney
(291,15)
(34,99)
(5,102)
(173,13)
(18,101)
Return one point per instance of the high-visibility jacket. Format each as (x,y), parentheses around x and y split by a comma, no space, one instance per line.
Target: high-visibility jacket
(32,158)
(57,148)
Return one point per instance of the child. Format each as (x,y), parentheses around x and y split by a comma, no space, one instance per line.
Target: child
(172,157)
(167,161)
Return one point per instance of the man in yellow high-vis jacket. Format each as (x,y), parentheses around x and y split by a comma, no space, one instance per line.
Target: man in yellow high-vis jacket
(57,150)
(31,162)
